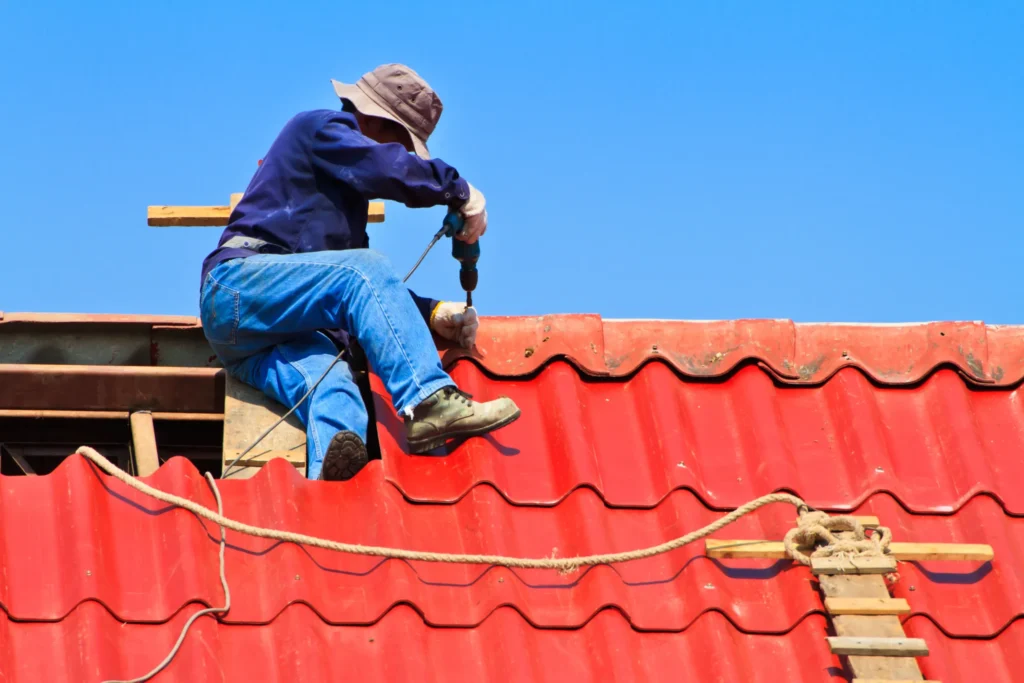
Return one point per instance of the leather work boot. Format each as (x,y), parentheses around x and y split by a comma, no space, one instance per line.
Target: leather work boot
(345,456)
(450,413)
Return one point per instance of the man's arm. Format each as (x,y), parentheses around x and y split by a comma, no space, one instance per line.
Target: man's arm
(386,171)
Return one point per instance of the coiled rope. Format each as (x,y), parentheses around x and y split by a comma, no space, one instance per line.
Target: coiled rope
(814,528)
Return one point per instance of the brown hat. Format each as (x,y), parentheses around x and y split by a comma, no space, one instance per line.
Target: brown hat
(397,93)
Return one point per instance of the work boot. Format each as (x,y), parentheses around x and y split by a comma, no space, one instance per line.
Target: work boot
(346,455)
(449,413)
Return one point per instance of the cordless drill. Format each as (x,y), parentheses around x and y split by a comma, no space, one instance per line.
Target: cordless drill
(466,254)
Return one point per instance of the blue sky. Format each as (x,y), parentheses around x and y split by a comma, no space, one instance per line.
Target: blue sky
(815,161)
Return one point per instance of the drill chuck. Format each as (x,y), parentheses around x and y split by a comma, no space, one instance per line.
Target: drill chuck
(467,278)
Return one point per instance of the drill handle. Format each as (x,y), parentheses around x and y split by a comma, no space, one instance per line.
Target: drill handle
(453,223)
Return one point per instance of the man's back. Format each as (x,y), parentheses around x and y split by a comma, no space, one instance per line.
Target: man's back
(293,204)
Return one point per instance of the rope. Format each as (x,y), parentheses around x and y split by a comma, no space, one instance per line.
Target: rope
(210,610)
(568,564)
(813,529)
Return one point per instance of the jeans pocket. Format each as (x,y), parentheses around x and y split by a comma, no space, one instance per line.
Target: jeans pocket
(218,311)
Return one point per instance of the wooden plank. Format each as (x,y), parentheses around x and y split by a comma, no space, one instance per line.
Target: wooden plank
(852,586)
(878,647)
(852,565)
(144,444)
(235,198)
(775,550)
(744,549)
(162,216)
(188,216)
(247,413)
(259,458)
(188,417)
(66,414)
(870,667)
(942,551)
(867,606)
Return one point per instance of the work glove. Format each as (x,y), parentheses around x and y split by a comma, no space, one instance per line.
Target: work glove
(454,322)
(474,211)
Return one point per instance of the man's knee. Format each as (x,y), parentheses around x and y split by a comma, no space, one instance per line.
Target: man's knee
(373,265)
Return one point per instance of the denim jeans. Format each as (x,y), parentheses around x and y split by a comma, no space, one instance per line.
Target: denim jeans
(261,315)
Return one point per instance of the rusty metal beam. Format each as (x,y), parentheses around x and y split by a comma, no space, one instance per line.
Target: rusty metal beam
(104,340)
(108,415)
(111,388)
(98,319)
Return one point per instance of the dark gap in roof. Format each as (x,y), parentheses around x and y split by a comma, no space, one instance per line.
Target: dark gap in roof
(43,443)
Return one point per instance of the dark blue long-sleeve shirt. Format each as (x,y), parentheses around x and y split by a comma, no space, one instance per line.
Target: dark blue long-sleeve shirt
(312,192)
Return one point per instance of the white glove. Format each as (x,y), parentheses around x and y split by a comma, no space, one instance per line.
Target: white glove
(456,323)
(475,213)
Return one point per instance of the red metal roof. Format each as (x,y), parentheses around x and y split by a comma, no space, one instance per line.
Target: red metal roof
(632,433)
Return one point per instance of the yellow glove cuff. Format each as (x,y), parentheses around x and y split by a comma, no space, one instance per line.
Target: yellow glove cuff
(433,313)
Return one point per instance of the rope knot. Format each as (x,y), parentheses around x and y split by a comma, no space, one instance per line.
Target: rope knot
(815,530)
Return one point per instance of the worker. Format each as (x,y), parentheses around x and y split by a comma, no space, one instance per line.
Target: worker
(293,275)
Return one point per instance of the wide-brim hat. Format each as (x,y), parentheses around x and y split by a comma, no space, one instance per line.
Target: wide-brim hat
(397,93)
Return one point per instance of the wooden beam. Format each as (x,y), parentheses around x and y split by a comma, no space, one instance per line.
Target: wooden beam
(248,412)
(66,414)
(887,626)
(190,216)
(144,444)
(188,417)
(235,198)
(942,551)
(852,565)
(775,550)
(217,216)
(867,606)
(868,646)
(259,458)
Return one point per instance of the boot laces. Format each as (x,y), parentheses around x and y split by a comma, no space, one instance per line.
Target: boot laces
(458,394)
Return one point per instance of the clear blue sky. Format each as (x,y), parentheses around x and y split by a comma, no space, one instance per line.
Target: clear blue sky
(815,161)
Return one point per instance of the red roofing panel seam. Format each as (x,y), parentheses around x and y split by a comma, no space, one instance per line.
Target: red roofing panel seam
(144,560)
(402,648)
(935,446)
(914,616)
(797,353)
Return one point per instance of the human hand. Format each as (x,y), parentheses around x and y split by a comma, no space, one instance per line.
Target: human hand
(474,211)
(454,322)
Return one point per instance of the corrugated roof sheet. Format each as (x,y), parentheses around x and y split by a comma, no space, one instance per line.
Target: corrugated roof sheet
(933,445)
(618,451)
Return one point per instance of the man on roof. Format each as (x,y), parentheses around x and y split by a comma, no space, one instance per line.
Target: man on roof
(294,262)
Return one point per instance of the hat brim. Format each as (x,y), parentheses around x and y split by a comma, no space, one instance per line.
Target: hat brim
(368,107)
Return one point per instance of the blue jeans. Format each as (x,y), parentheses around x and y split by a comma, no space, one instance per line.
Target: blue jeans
(261,315)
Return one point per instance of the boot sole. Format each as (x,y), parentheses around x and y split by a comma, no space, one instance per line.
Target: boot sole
(421,446)
(346,455)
